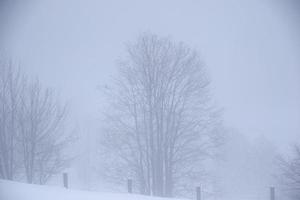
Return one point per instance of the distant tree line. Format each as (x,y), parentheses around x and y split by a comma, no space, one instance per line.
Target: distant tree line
(32,136)
(289,175)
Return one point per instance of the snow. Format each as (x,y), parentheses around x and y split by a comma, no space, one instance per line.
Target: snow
(10,190)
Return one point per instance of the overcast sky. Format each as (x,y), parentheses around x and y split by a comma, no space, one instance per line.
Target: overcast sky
(250,48)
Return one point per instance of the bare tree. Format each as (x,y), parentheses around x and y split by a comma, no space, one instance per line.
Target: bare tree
(42,134)
(160,122)
(290,173)
(11,86)
(32,137)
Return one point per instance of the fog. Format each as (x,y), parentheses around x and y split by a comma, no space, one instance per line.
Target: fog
(249,50)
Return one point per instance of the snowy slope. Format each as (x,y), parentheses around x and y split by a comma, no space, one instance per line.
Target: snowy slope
(19,191)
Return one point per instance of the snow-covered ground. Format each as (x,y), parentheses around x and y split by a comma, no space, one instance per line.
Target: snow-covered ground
(10,190)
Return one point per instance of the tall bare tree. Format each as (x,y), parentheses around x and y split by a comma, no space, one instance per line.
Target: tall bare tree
(42,134)
(160,120)
(11,87)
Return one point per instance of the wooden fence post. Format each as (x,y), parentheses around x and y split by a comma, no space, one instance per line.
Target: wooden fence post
(129,185)
(198,193)
(65,180)
(272,193)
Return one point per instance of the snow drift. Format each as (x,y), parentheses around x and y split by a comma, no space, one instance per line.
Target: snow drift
(10,190)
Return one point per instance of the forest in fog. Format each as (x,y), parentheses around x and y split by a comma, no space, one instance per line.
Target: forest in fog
(197,101)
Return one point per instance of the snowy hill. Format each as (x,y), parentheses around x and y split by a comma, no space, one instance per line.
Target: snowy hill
(10,190)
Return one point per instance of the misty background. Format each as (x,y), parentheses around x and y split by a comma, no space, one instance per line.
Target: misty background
(250,50)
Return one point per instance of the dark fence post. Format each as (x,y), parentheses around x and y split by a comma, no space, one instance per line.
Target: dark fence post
(65,180)
(272,193)
(129,185)
(198,193)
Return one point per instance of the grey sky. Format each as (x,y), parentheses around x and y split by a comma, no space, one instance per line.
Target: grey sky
(251,50)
